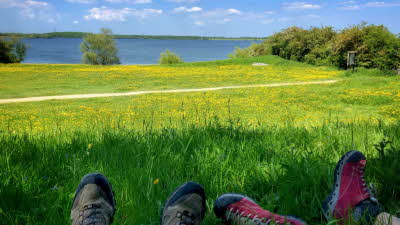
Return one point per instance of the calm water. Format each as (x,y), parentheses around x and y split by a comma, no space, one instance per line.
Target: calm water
(131,51)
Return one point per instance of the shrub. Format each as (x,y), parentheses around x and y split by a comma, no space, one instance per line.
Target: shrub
(253,51)
(169,57)
(99,49)
(376,47)
(312,46)
(12,50)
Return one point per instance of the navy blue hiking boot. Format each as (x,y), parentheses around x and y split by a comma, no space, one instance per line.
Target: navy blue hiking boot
(185,206)
(94,202)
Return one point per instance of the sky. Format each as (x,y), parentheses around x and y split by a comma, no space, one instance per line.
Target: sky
(228,18)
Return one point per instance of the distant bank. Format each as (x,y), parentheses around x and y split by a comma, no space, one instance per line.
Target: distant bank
(160,37)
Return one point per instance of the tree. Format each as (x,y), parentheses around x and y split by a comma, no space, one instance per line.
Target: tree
(169,57)
(99,49)
(12,50)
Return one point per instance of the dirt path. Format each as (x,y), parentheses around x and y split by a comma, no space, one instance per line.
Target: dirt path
(46,98)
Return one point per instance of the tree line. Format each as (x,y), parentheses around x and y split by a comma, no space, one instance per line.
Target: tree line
(375,45)
(119,36)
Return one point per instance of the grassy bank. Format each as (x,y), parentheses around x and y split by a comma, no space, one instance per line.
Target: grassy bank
(278,145)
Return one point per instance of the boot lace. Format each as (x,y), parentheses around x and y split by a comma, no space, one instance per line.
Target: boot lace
(90,215)
(257,221)
(365,188)
(186,218)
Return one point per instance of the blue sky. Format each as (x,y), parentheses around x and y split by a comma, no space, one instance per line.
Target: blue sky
(232,18)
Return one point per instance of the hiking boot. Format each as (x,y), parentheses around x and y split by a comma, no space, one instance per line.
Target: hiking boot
(186,206)
(94,202)
(239,209)
(351,199)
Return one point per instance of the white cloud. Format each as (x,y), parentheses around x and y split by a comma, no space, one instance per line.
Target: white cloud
(131,1)
(31,3)
(300,6)
(224,16)
(183,1)
(187,10)
(382,4)
(108,14)
(349,5)
(353,5)
(234,11)
(30,9)
(81,1)
(23,4)
(270,12)
(76,22)
(199,23)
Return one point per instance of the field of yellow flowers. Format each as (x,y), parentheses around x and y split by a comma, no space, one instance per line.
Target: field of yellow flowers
(26,80)
(278,145)
(353,99)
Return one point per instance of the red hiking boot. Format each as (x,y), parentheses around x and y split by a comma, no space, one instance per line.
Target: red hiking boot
(351,199)
(239,209)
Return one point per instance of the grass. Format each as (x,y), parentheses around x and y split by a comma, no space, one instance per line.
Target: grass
(40,79)
(277,145)
(288,170)
(354,99)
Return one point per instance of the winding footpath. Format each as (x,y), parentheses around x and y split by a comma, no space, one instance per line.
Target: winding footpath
(102,95)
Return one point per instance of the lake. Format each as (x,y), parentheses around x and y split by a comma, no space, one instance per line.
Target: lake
(132,51)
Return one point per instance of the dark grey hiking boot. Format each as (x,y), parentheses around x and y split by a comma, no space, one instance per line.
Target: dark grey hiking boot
(186,206)
(94,202)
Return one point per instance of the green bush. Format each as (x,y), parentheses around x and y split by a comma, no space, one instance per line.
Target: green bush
(99,49)
(253,51)
(12,50)
(312,46)
(376,46)
(169,57)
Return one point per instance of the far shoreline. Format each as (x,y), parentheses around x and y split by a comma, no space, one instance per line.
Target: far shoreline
(118,36)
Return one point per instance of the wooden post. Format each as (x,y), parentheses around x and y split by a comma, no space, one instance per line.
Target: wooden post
(351,59)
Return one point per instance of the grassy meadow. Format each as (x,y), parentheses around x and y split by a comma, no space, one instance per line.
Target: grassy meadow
(278,145)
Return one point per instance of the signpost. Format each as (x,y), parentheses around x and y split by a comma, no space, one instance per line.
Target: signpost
(351,59)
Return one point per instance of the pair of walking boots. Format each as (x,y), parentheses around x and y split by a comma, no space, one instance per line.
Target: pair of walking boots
(350,201)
